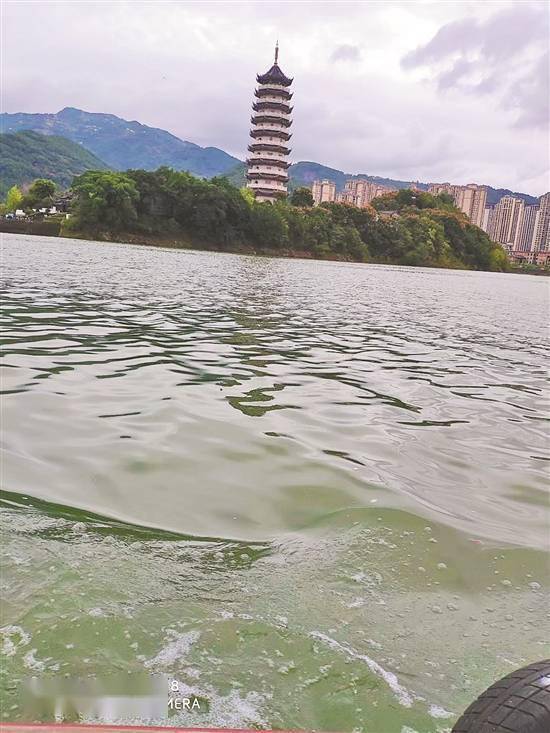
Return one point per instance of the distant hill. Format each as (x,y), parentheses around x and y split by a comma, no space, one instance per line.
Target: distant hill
(122,144)
(27,155)
(495,194)
(305,172)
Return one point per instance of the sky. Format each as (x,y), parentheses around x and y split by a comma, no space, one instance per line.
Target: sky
(433,91)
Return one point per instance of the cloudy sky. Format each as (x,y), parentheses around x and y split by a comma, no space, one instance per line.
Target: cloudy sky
(435,91)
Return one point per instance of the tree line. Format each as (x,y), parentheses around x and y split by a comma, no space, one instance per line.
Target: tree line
(408,227)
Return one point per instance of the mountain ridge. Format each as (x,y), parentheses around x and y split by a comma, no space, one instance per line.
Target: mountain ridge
(124,144)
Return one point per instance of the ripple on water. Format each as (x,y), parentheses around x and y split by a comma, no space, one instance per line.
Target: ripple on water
(223,468)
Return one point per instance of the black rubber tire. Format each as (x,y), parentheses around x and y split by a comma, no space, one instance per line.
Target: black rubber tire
(518,703)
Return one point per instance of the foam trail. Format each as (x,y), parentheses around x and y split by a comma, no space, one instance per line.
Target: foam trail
(403,695)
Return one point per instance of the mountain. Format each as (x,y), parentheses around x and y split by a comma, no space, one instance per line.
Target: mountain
(123,144)
(27,155)
(495,194)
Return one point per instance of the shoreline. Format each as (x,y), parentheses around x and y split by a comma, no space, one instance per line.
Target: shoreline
(53,229)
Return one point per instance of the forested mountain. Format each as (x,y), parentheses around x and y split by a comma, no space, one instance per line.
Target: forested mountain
(123,144)
(25,156)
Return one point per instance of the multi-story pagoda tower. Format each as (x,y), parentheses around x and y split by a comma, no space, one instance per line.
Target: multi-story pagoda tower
(268,162)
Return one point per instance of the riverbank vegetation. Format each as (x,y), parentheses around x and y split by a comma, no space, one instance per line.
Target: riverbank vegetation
(408,227)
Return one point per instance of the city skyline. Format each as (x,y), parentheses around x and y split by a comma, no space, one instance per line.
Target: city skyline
(413,91)
(523,230)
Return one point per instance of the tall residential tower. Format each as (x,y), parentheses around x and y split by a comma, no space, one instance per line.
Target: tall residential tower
(268,164)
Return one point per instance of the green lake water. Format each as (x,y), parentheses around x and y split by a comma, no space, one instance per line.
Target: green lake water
(314,493)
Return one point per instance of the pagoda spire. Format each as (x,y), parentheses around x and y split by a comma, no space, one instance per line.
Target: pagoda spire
(277,51)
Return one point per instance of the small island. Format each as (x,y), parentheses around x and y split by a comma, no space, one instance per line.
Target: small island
(175,209)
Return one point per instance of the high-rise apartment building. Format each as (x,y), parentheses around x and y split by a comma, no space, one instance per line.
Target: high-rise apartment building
(323,191)
(526,229)
(359,192)
(541,235)
(470,199)
(507,216)
(488,216)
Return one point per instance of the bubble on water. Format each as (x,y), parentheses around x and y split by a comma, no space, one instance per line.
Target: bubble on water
(421,569)
(79,527)
(286,668)
(427,529)
(97,612)
(441,566)
(452,606)
(535,586)
(437,609)
(432,539)
(509,617)
(506,583)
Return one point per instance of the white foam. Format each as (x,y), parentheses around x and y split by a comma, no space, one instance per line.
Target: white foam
(31,662)
(438,712)
(9,646)
(177,648)
(403,696)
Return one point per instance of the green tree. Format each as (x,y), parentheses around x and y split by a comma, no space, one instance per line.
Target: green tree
(498,260)
(268,227)
(247,194)
(104,201)
(13,199)
(40,193)
(301,196)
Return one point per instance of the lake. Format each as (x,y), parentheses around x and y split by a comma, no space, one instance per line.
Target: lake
(314,493)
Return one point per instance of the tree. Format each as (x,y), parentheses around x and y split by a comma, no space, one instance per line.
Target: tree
(104,201)
(301,197)
(40,193)
(248,195)
(13,199)
(269,228)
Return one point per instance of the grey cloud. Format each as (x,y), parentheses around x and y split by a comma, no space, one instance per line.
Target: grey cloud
(507,50)
(346,52)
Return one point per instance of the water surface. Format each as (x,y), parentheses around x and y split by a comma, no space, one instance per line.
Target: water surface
(314,492)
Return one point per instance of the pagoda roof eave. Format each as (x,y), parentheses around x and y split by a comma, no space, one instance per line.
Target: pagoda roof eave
(274,76)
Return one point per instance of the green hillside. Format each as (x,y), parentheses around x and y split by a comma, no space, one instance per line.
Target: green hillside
(25,156)
(123,144)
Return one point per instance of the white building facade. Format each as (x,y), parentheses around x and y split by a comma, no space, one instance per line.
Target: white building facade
(323,191)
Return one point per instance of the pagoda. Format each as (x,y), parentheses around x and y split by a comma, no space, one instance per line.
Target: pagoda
(268,164)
